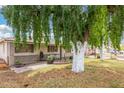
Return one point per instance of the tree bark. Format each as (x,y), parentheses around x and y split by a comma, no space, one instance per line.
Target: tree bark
(102,53)
(60,52)
(78,57)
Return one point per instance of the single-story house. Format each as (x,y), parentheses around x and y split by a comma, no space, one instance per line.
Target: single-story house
(28,54)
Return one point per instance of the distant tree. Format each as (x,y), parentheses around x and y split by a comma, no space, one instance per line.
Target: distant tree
(107,27)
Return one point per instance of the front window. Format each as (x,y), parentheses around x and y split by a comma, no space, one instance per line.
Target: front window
(29,48)
(52,48)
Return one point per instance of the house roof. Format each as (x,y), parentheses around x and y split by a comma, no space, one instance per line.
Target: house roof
(28,41)
(6,39)
(12,39)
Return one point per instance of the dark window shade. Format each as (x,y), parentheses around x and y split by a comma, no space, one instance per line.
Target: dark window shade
(52,48)
(22,49)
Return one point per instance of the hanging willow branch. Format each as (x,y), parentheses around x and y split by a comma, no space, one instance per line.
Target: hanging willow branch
(70,24)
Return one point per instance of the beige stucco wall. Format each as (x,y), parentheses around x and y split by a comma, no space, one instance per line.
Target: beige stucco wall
(3,51)
(45,51)
(11,51)
(25,57)
(7,52)
(43,48)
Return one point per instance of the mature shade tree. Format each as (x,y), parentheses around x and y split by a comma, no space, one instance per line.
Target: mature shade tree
(98,28)
(116,25)
(73,26)
(107,27)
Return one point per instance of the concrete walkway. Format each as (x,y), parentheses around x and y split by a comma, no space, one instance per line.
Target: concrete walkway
(29,67)
(120,57)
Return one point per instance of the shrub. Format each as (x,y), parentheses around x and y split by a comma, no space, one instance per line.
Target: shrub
(50,59)
(98,56)
(18,62)
(71,57)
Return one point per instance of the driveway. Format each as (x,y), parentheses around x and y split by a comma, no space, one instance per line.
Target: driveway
(28,67)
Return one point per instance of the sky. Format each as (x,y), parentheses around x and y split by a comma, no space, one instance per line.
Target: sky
(5,31)
(2,20)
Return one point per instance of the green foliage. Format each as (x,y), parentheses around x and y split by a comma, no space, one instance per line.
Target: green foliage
(117,26)
(50,59)
(122,47)
(98,26)
(70,24)
(18,62)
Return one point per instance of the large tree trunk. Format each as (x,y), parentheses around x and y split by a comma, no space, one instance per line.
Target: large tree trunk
(109,47)
(60,52)
(102,53)
(78,57)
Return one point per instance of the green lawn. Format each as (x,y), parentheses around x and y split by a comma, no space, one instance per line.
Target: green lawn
(112,64)
(109,73)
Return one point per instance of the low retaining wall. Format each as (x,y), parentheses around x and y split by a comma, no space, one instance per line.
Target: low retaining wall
(27,58)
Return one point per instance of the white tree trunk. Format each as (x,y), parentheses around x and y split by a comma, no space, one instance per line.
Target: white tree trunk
(109,45)
(102,53)
(78,57)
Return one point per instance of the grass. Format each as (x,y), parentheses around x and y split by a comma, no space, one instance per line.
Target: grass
(46,69)
(113,64)
(108,74)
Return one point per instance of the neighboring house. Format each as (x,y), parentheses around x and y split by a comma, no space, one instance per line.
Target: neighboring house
(28,54)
